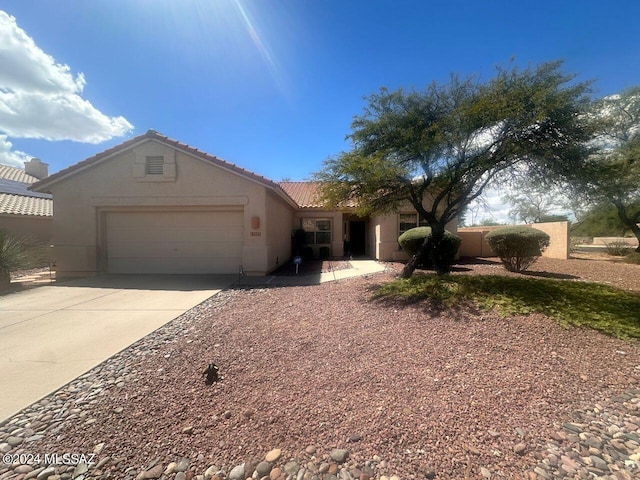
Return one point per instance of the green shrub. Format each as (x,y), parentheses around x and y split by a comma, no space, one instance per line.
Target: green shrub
(412,240)
(324,253)
(518,247)
(633,257)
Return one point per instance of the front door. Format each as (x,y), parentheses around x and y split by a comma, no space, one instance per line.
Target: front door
(357,237)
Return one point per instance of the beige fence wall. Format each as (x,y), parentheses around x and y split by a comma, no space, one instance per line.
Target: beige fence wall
(607,240)
(474,243)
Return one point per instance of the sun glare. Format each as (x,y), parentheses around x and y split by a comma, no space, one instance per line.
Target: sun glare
(229,34)
(262,46)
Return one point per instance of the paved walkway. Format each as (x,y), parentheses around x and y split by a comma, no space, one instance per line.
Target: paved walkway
(359,267)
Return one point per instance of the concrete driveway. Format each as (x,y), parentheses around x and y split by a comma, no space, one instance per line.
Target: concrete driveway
(50,335)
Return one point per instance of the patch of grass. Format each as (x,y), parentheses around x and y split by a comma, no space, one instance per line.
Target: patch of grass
(607,309)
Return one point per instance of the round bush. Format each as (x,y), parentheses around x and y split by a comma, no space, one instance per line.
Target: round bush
(412,240)
(518,247)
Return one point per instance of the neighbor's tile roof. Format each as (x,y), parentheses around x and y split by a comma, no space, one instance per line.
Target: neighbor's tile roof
(307,194)
(44,184)
(23,205)
(16,174)
(16,199)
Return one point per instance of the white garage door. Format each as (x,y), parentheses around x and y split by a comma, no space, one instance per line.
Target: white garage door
(174,242)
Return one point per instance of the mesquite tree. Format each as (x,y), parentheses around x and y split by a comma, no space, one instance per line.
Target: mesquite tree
(611,174)
(439,148)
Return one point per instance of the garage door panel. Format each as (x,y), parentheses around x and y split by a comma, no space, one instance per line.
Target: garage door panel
(174,242)
(175,267)
(159,250)
(178,219)
(163,234)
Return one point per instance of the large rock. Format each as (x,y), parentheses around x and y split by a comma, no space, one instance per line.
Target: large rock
(263,469)
(339,455)
(273,455)
(237,473)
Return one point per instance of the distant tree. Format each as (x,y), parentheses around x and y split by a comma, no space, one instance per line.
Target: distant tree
(553,218)
(533,205)
(612,172)
(600,221)
(489,222)
(438,149)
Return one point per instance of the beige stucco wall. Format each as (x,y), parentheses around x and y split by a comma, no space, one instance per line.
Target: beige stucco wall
(280,219)
(33,229)
(474,243)
(116,184)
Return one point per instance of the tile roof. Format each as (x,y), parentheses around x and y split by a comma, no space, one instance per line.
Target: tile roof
(22,205)
(16,199)
(307,194)
(16,174)
(44,184)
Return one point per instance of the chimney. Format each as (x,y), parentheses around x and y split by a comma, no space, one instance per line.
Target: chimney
(36,168)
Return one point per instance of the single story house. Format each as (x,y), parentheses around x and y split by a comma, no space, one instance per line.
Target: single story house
(156,205)
(25,214)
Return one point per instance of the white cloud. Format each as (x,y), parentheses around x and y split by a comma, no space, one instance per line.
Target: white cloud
(14,158)
(40,98)
(489,206)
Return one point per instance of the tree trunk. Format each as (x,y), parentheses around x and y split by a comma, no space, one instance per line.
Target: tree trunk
(431,249)
(629,222)
(409,267)
(636,232)
(436,251)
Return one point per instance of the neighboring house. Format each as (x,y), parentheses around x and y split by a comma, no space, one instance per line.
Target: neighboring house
(24,213)
(155,205)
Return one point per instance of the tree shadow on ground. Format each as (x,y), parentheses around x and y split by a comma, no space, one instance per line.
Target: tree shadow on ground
(557,276)
(427,305)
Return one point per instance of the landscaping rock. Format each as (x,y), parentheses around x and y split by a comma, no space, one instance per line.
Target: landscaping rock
(273,455)
(339,455)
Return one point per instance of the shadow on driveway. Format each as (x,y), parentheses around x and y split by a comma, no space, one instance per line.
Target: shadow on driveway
(181,283)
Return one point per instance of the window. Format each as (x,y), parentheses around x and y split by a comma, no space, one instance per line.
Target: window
(409,221)
(318,230)
(154,165)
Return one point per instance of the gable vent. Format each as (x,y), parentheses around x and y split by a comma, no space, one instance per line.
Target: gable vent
(154,165)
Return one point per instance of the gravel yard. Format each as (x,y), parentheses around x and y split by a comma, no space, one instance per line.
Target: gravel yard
(406,390)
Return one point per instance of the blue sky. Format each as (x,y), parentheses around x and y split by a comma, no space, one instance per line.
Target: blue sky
(271,85)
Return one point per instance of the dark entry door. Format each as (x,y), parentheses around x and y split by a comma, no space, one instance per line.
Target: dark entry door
(357,237)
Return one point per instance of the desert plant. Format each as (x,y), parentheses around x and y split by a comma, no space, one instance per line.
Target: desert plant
(518,247)
(618,248)
(412,240)
(13,255)
(575,242)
